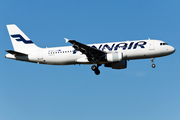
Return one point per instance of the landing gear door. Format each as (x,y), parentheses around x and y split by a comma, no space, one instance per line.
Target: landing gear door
(151,45)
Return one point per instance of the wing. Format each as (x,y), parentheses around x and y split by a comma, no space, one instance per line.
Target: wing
(91,53)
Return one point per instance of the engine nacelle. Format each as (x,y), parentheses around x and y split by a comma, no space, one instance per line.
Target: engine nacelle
(114,57)
(117,65)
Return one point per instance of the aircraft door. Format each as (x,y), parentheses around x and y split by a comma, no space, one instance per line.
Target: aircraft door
(151,45)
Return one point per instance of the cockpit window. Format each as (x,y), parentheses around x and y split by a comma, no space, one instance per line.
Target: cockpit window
(163,44)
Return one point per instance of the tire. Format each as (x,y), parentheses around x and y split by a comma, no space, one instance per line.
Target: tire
(97,72)
(93,68)
(153,65)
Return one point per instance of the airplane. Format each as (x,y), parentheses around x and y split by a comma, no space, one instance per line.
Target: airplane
(114,55)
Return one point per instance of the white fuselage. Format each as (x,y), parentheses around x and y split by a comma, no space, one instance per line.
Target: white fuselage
(139,49)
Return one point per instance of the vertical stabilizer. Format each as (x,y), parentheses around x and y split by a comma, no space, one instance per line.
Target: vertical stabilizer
(19,40)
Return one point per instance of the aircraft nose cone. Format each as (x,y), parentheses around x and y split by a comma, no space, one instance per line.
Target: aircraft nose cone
(172,49)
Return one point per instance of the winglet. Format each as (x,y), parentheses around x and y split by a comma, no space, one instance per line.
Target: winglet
(67,40)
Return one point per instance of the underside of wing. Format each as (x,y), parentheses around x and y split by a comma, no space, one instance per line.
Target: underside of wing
(91,53)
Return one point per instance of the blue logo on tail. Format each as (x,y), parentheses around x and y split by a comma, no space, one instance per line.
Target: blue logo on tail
(20,38)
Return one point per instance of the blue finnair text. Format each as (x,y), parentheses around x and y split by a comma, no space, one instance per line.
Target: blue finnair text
(123,46)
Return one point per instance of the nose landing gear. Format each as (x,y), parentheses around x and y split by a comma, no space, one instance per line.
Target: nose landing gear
(152,61)
(96,69)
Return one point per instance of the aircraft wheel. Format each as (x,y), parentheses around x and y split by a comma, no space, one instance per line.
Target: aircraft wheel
(93,67)
(153,65)
(97,72)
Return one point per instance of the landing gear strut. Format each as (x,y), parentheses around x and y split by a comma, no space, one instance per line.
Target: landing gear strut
(152,61)
(96,69)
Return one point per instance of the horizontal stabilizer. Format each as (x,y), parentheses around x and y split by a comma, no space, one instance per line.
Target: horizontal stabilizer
(15,53)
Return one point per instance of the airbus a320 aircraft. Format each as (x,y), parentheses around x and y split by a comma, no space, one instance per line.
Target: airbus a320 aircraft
(114,55)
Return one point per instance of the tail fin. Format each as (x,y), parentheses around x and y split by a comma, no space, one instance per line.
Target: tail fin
(19,40)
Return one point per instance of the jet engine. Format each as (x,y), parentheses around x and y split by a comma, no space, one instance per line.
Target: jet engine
(117,65)
(114,57)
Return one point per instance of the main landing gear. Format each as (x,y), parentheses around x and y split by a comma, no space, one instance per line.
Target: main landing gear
(96,69)
(152,61)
